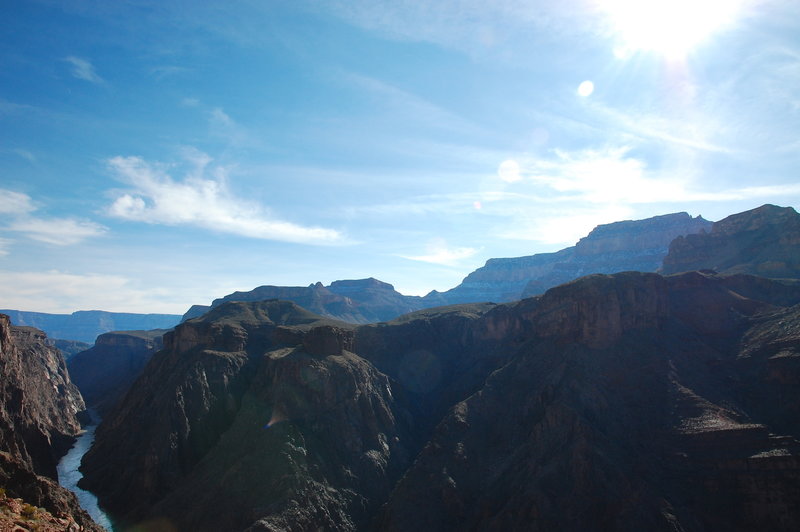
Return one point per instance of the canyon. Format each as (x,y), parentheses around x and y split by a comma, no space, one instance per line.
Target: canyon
(40,416)
(660,398)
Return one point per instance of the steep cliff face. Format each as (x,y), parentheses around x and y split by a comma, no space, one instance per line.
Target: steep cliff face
(39,409)
(40,403)
(763,241)
(104,372)
(638,245)
(624,408)
(267,399)
(630,401)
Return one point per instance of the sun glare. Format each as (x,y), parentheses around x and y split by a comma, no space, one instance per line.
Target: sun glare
(669,27)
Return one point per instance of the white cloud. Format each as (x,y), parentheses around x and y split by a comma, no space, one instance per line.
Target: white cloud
(62,292)
(200,201)
(15,202)
(439,253)
(4,244)
(603,176)
(552,226)
(18,208)
(57,231)
(83,69)
(612,176)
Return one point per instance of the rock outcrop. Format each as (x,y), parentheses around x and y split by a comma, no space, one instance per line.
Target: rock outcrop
(250,393)
(353,301)
(624,408)
(104,372)
(631,401)
(86,325)
(69,348)
(763,241)
(39,411)
(633,245)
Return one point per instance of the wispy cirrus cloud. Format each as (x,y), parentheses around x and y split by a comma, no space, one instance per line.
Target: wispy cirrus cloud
(408,104)
(18,210)
(57,231)
(15,203)
(614,176)
(201,199)
(64,292)
(83,69)
(438,252)
(4,245)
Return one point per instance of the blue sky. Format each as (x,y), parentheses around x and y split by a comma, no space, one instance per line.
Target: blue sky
(154,155)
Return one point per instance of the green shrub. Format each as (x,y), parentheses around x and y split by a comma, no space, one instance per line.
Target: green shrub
(28,511)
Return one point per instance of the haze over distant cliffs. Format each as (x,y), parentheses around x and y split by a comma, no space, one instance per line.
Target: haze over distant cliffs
(86,325)
(633,245)
(353,301)
(630,245)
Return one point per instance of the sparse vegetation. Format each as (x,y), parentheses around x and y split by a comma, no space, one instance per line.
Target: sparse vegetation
(28,511)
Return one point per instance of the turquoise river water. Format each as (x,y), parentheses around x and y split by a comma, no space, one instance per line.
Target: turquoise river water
(68,476)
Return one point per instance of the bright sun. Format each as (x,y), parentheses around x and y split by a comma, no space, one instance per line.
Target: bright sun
(670,27)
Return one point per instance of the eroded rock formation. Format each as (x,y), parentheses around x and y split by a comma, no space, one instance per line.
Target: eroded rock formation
(39,410)
(615,402)
(104,372)
(633,245)
(763,241)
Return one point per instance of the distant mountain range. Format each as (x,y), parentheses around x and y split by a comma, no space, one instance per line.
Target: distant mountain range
(762,241)
(86,325)
(353,301)
(632,245)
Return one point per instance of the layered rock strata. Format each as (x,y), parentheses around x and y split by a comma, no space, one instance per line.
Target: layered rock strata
(763,241)
(632,245)
(39,419)
(615,402)
(104,372)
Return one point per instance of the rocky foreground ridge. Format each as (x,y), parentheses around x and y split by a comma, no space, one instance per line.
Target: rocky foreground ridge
(39,419)
(616,402)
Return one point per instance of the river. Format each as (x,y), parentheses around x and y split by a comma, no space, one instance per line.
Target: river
(68,476)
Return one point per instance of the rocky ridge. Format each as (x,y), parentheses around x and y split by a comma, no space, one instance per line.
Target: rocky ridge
(638,245)
(353,301)
(39,419)
(626,401)
(763,241)
(632,245)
